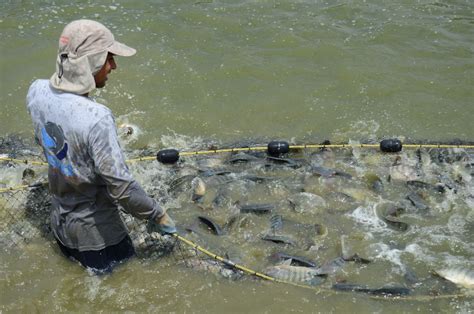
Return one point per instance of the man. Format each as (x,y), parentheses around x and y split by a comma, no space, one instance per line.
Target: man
(88,177)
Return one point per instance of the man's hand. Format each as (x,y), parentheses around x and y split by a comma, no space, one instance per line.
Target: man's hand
(164,225)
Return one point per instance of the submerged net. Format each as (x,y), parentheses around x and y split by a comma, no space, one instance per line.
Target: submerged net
(315,217)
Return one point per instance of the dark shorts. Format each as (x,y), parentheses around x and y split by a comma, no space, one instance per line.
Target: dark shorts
(101,261)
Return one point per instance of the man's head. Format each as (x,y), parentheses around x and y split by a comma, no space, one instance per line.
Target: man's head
(101,76)
(85,57)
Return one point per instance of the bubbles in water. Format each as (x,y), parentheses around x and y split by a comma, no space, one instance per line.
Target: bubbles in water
(367,216)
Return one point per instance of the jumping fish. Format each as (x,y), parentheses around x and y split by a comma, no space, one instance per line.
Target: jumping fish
(199,188)
(460,276)
(212,225)
(390,217)
(179,182)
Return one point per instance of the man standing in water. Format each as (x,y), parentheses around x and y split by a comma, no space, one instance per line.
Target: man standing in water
(88,177)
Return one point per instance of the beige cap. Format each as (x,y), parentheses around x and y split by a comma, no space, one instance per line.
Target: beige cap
(83,48)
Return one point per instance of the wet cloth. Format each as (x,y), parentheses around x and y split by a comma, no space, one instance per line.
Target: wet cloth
(88,177)
(102,261)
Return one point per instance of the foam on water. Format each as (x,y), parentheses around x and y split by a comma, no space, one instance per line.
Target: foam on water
(367,217)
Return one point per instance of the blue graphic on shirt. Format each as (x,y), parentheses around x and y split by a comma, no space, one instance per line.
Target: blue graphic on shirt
(55,148)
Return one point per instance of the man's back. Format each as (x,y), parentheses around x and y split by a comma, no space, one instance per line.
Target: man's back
(79,140)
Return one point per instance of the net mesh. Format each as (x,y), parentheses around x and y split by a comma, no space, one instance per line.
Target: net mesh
(25,217)
(25,212)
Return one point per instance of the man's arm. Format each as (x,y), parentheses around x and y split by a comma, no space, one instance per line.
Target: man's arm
(110,165)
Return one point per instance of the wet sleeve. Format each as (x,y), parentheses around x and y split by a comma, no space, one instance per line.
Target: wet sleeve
(109,163)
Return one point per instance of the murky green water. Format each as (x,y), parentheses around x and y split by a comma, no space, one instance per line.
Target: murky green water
(233,70)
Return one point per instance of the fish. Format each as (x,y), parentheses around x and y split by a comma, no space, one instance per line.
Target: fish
(242,158)
(341,197)
(212,225)
(384,291)
(323,157)
(257,208)
(332,266)
(446,155)
(390,215)
(374,182)
(213,267)
(212,172)
(347,253)
(289,162)
(305,201)
(460,276)
(298,274)
(199,189)
(279,239)
(395,223)
(439,187)
(401,172)
(236,222)
(322,171)
(258,179)
(221,198)
(294,260)
(178,183)
(417,201)
(276,223)
(128,132)
(27,176)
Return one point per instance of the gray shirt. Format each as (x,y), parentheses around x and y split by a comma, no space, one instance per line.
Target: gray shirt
(88,177)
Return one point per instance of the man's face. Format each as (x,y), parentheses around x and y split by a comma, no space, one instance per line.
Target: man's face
(101,76)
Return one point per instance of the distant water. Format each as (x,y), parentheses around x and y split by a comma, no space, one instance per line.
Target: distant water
(229,71)
(276,69)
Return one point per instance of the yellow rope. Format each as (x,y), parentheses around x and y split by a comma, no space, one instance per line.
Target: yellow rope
(260,148)
(24,161)
(240,149)
(14,188)
(21,187)
(240,267)
(320,289)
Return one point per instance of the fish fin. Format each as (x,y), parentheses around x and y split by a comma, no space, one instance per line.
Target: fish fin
(286,262)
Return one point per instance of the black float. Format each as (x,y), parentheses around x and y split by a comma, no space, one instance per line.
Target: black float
(391,145)
(276,148)
(168,156)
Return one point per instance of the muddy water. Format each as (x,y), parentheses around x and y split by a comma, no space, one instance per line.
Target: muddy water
(350,213)
(228,71)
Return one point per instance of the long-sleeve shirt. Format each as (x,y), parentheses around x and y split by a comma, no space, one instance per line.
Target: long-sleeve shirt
(88,176)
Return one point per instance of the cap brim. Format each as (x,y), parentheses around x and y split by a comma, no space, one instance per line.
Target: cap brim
(122,50)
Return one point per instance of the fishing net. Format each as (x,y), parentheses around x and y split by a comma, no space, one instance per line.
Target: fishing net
(346,206)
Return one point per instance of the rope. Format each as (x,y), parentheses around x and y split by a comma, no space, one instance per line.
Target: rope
(318,290)
(240,149)
(24,161)
(22,187)
(237,266)
(261,148)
